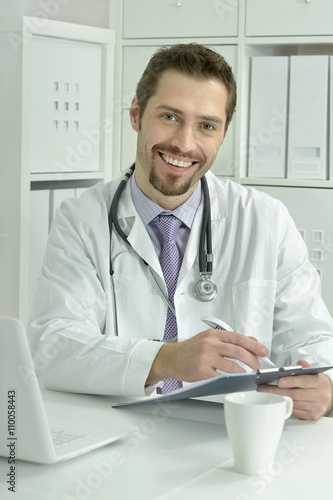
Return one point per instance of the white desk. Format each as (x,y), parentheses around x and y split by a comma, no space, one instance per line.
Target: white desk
(176,452)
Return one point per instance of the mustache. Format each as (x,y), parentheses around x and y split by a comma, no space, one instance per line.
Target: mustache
(167,148)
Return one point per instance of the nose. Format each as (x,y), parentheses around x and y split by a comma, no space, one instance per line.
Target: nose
(184,139)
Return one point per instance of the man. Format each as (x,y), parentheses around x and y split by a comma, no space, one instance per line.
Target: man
(84,339)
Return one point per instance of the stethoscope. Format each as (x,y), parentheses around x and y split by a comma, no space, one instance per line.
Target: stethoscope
(205,289)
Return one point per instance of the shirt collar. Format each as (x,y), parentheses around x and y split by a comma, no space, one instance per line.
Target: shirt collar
(148,210)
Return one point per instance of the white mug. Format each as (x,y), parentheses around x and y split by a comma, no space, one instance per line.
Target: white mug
(254,422)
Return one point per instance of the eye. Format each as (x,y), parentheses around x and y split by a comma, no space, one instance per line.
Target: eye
(207,126)
(168,117)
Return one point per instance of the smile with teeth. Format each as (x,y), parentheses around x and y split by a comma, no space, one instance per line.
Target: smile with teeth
(176,163)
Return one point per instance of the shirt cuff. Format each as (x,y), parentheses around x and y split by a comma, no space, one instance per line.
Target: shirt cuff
(138,368)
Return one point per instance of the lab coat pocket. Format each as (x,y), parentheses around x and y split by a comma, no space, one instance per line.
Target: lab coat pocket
(253,304)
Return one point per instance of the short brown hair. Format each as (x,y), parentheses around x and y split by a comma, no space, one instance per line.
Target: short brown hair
(191,59)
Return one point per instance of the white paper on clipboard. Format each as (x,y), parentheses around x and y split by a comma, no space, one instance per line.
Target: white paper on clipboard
(225,384)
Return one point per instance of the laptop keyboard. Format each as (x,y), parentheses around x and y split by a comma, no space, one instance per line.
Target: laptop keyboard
(63,437)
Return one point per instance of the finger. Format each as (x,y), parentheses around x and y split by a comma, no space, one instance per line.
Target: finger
(305,414)
(301,381)
(303,363)
(221,364)
(243,341)
(309,403)
(225,350)
(305,403)
(229,366)
(309,410)
(222,356)
(231,345)
(294,394)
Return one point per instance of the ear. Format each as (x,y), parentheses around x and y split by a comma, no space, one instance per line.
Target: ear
(134,114)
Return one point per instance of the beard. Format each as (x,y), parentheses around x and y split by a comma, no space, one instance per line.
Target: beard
(169,184)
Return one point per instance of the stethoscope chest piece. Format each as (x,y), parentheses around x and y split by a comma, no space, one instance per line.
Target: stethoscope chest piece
(205,290)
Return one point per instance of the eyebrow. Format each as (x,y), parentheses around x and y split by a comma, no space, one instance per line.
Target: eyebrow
(206,118)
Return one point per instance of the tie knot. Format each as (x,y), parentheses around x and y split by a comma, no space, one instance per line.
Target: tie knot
(168,226)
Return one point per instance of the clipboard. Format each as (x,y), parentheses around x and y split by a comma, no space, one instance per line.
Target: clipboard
(227,383)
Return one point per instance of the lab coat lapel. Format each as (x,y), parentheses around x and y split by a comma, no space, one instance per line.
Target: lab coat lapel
(137,234)
(142,244)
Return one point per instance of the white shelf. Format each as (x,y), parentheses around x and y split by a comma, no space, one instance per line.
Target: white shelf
(55,29)
(19,37)
(289,40)
(66,176)
(286,182)
(130,42)
(246,47)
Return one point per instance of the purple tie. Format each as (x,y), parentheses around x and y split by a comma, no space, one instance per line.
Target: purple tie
(170,261)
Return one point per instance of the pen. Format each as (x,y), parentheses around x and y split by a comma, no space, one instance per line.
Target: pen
(218,324)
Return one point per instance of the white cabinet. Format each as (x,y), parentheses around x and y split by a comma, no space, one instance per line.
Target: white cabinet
(134,61)
(47,76)
(183,18)
(311,210)
(225,161)
(66,105)
(288,17)
(241,30)
(149,24)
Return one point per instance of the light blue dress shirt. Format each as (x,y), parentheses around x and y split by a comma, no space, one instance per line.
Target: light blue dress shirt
(148,210)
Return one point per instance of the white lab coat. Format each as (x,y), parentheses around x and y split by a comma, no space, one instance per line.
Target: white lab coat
(266,288)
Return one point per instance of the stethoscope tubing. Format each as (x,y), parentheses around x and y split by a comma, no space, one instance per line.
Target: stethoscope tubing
(205,257)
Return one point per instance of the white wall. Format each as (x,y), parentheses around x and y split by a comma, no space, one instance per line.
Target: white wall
(89,12)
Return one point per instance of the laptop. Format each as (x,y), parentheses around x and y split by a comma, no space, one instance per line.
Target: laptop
(27,432)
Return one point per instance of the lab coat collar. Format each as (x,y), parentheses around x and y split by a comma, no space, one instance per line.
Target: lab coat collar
(132,225)
(218,193)
(218,200)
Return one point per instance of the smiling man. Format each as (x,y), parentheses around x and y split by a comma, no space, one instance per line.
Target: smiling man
(168,270)
(179,136)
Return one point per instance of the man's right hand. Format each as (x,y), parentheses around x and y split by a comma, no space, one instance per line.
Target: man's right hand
(199,357)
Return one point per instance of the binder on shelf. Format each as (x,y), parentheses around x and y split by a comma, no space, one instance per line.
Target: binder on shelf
(268,117)
(330,127)
(308,100)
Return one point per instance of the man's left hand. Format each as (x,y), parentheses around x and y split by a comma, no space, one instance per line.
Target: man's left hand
(312,394)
